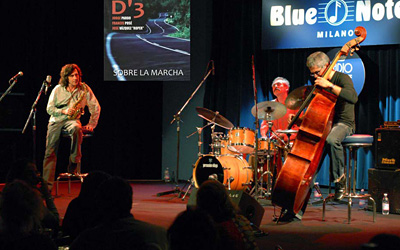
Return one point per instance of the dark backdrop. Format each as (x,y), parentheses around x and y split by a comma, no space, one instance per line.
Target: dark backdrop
(38,38)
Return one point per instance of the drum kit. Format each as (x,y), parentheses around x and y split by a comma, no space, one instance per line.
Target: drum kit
(226,161)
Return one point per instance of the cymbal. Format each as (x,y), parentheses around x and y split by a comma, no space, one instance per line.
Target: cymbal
(296,98)
(214,117)
(269,110)
(287,131)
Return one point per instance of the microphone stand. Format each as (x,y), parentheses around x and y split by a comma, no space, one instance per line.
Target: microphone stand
(177,118)
(32,114)
(8,90)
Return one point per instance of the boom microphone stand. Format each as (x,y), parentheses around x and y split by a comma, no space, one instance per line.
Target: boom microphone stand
(14,81)
(177,118)
(32,114)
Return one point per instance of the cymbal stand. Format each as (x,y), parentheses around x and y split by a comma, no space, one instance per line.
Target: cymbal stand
(177,118)
(268,172)
(199,143)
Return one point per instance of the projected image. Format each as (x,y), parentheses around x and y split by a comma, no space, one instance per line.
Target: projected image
(147,40)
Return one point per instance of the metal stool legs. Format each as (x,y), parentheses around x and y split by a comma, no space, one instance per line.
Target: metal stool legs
(350,171)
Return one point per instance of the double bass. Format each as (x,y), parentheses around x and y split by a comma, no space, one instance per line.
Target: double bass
(295,178)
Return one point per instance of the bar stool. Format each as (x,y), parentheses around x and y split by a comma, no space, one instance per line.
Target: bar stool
(352,143)
(78,175)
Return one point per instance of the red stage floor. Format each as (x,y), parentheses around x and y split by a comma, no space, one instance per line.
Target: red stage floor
(310,233)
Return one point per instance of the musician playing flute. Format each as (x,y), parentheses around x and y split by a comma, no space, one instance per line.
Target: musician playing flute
(65,107)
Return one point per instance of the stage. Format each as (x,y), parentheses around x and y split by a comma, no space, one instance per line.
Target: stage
(310,233)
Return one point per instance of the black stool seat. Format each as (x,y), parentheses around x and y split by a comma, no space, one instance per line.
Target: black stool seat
(352,143)
(78,175)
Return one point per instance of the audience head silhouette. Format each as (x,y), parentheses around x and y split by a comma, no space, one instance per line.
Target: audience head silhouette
(213,197)
(114,198)
(91,183)
(21,208)
(202,234)
(25,170)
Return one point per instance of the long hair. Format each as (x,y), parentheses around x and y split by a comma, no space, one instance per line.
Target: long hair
(66,71)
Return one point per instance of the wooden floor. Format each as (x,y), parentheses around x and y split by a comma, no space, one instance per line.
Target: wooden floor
(310,233)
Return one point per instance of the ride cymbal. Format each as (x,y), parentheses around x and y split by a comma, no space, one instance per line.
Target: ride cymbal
(214,117)
(296,98)
(269,110)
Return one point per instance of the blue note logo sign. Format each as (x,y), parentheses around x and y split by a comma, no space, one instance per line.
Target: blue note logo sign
(336,12)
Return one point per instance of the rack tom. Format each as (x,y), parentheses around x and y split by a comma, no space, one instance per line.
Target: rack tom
(241,140)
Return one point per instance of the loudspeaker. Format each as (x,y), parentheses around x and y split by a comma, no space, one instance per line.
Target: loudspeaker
(249,207)
(382,181)
(387,148)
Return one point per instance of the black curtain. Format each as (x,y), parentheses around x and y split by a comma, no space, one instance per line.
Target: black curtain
(39,37)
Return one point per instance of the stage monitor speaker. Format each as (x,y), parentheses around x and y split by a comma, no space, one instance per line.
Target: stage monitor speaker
(387,148)
(382,181)
(249,207)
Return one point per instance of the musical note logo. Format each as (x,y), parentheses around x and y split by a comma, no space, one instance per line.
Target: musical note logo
(333,19)
(336,12)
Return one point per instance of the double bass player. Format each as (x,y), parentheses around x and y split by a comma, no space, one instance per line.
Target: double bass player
(343,123)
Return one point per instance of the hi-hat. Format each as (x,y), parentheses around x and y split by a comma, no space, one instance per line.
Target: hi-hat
(214,117)
(287,131)
(296,98)
(269,110)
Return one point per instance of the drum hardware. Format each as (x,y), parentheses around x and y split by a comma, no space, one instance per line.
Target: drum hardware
(269,112)
(199,142)
(213,177)
(230,179)
(191,181)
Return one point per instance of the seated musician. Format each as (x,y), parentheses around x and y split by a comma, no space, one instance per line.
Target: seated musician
(343,125)
(280,88)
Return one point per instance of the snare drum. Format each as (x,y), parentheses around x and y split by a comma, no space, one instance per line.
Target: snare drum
(223,168)
(241,140)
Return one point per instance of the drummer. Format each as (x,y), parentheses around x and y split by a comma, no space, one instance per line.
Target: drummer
(280,88)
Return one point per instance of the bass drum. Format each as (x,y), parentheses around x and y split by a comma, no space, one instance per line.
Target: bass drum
(223,168)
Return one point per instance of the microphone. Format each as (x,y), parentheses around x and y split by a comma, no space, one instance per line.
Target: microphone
(213,68)
(14,78)
(213,177)
(47,82)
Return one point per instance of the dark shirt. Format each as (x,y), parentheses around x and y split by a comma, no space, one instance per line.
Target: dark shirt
(28,242)
(125,233)
(344,109)
(79,216)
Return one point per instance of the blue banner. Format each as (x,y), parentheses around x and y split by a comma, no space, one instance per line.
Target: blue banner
(289,24)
